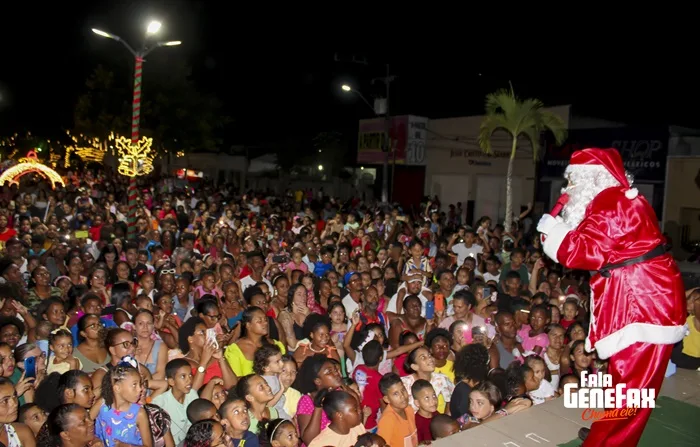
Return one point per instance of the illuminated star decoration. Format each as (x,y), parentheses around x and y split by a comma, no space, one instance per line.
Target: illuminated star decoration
(135,159)
(27,165)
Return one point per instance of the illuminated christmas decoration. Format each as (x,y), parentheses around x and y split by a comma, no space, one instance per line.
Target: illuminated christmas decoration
(30,164)
(135,159)
(54,159)
(88,149)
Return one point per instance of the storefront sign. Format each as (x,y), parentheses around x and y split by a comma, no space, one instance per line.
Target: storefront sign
(465,153)
(643,151)
(408,140)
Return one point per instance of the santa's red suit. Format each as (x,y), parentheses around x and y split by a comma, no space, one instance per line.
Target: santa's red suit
(637,308)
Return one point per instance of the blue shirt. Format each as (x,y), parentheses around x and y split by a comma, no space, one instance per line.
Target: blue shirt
(320,268)
(106,322)
(249,440)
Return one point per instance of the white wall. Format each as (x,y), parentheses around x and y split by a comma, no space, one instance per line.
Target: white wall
(455,160)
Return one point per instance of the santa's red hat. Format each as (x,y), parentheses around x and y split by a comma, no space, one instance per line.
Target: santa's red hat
(611,160)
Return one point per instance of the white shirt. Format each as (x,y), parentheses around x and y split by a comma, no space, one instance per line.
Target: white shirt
(463,252)
(544,391)
(350,305)
(248,281)
(391,307)
(308,263)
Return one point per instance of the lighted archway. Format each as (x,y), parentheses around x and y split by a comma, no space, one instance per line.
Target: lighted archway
(28,165)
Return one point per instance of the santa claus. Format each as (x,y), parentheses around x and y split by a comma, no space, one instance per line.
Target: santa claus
(637,300)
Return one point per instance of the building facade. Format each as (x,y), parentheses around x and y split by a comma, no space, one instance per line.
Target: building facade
(457,170)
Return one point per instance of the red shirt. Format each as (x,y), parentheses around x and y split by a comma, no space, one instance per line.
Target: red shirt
(566,323)
(8,234)
(423,427)
(368,381)
(398,364)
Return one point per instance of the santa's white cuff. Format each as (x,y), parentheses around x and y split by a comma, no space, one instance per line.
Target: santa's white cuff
(637,333)
(554,239)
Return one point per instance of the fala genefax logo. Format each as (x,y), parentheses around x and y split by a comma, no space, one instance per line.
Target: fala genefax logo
(600,400)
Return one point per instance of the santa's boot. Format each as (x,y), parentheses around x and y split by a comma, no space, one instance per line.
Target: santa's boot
(583,433)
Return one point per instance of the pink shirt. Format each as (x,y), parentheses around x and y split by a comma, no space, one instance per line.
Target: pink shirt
(530,342)
(306,406)
(292,266)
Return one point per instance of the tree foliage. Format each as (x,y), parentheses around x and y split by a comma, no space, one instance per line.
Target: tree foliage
(104,107)
(174,112)
(526,118)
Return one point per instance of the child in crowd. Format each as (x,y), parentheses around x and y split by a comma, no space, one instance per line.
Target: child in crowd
(367,378)
(370,440)
(425,398)
(33,416)
(397,424)
(61,359)
(484,404)
(258,395)
(268,364)
(201,409)
(287,377)
(568,379)
(569,309)
(278,433)
(178,397)
(442,426)
(234,416)
(343,410)
(122,419)
(545,391)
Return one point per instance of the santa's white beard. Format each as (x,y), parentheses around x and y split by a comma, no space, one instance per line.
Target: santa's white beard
(585,182)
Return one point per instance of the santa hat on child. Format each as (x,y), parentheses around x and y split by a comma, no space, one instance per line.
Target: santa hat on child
(611,160)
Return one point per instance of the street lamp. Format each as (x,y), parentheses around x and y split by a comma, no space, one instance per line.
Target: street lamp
(138,162)
(385,143)
(153,27)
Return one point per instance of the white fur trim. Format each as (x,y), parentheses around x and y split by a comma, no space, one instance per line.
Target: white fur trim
(632,193)
(638,333)
(554,239)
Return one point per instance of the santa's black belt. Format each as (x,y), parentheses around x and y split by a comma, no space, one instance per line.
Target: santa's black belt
(656,252)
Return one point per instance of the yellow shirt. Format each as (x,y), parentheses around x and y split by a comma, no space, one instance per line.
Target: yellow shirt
(292,398)
(447,370)
(691,342)
(240,365)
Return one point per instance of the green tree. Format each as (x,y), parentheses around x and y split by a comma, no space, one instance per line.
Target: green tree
(174,113)
(526,118)
(104,107)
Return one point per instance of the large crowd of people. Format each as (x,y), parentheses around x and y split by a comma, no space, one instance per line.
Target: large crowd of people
(246,319)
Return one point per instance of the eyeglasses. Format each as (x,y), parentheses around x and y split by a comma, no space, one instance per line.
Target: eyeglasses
(127,344)
(94,326)
(167,272)
(216,317)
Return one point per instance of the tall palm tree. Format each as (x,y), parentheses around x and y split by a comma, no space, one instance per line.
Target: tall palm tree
(504,111)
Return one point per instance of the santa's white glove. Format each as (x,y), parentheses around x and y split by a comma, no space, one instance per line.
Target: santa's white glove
(546,223)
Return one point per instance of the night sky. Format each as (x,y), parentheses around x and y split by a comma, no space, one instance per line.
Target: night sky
(281,78)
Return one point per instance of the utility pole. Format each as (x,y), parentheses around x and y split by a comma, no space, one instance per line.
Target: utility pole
(387,143)
(381,108)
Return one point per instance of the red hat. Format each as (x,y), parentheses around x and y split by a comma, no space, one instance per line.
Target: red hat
(611,160)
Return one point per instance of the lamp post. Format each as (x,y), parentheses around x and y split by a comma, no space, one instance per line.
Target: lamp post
(386,142)
(152,28)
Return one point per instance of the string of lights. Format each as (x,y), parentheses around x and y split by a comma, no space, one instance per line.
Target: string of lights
(30,164)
